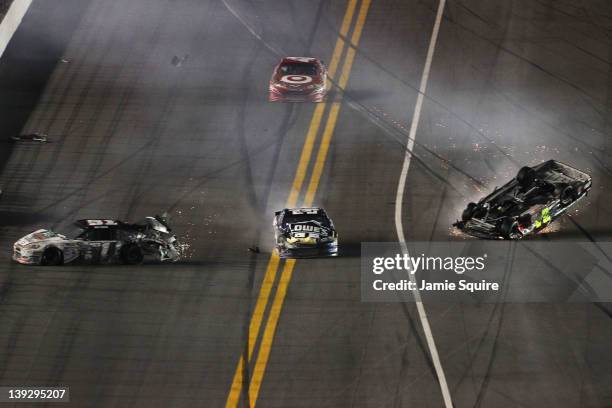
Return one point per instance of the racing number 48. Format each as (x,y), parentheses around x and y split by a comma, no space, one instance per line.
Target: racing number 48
(545,219)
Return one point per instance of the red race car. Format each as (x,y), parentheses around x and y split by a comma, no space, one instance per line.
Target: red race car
(298,79)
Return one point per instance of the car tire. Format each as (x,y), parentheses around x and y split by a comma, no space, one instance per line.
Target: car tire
(525,176)
(131,254)
(568,195)
(52,257)
(468,213)
(525,220)
(510,229)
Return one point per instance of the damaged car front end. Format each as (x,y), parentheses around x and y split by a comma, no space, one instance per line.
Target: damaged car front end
(101,241)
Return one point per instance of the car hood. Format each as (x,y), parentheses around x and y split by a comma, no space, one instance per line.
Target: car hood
(40,236)
(308,230)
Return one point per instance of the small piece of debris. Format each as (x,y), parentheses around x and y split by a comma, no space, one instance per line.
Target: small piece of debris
(178,61)
(31,137)
(254,249)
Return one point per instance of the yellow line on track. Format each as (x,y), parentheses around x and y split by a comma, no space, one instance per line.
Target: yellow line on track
(315,122)
(335,109)
(300,173)
(265,290)
(270,276)
(256,319)
(279,298)
(344,29)
(268,336)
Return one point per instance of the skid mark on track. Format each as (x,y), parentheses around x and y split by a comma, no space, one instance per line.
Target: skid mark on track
(500,320)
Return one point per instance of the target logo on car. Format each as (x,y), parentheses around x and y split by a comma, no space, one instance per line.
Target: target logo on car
(296,79)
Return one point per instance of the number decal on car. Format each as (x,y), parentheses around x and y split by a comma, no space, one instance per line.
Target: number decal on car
(99,223)
(545,218)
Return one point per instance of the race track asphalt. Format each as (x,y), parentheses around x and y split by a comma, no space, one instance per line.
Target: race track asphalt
(154,106)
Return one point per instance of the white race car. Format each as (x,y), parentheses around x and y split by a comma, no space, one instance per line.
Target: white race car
(100,241)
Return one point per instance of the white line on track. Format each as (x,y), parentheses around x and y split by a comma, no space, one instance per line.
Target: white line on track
(10,23)
(251,29)
(399,204)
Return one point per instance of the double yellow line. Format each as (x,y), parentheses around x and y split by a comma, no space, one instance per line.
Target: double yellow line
(267,285)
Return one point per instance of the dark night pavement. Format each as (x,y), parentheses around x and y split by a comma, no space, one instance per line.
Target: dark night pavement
(133,134)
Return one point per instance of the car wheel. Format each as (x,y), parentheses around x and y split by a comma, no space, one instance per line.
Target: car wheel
(52,257)
(131,254)
(510,229)
(468,213)
(568,195)
(525,176)
(525,220)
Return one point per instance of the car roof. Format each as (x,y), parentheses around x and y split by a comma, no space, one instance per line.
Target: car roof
(305,210)
(92,223)
(299,59)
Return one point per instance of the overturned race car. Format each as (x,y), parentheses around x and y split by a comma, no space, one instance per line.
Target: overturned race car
(298,79)
(527,204)
(304,233)
(97,241)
